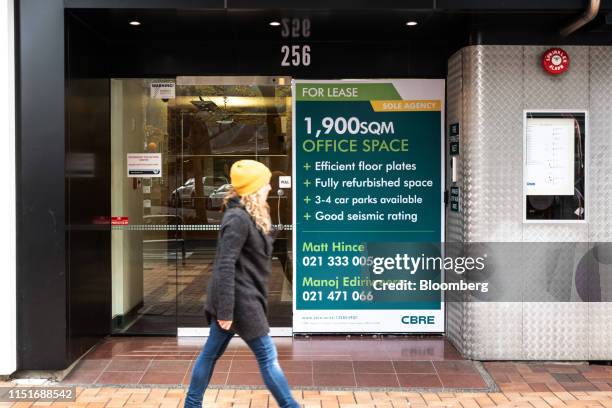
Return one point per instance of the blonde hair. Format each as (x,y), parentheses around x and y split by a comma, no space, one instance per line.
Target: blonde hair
(252,203)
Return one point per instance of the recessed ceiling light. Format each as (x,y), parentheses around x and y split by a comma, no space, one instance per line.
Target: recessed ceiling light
(134,23)
(274,23)
(411,23)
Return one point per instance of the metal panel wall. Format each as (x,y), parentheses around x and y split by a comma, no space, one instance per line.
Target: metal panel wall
(454,221)
(497,83)
(41,249)
(63,259)
(599,206)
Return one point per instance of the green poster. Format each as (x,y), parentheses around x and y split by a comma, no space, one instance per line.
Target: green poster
(368,205)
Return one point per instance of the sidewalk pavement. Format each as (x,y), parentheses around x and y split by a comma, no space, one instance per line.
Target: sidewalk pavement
(118,397)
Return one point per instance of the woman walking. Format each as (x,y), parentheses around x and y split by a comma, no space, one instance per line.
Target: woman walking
(236,295)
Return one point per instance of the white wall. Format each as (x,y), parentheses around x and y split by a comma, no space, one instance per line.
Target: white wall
(8,310)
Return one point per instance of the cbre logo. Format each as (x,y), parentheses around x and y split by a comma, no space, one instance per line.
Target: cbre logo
(418,319)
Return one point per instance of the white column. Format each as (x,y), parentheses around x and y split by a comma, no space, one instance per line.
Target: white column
(8,293)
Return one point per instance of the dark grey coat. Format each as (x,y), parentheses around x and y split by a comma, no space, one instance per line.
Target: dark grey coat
(238,289)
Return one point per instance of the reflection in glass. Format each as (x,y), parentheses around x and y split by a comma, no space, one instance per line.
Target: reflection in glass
(162,260)
(145,251)
(215,126)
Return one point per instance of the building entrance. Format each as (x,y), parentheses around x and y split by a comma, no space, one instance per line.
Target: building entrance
(165,223)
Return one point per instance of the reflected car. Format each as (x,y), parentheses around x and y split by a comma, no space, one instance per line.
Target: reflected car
(187,192)
(215,200)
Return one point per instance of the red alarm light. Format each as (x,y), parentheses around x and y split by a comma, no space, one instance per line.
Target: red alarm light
(555,61)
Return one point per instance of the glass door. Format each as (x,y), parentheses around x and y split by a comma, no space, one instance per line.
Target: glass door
(145,238)
(218,121)
(165,252)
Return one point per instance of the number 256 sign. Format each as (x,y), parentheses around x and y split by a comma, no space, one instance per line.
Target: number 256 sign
(295,55)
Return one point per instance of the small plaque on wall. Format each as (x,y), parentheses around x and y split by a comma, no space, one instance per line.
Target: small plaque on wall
(454,199)
(453,135)
(554,166)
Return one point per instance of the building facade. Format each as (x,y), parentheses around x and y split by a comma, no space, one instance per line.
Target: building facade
(96,248)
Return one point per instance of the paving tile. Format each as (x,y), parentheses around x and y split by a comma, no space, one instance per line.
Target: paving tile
(555,386)
(173,357)
(450,356)
(379,367)
(454,367)
(604,387)
(82,377)
(556,377)
(577,377)
(299,379)
(218,378)
(462,381)
(343,356)
(575,386)
(541,387)
(376,380)
(332,366)
(414,367)
(134,357)
(100,354)
(93,364)
(162,378)
(244,379)
(419,380)
(220,365)
(597,374)
(120,377)
(366,356)
(292,366)
(128,365)
(169,366)
(249,357)
(110,397)
(501,378)
(244,366)
(334,379)
(561,377)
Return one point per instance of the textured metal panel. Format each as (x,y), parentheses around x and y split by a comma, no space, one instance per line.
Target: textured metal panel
(600,202)
(544,91)
(567,91)
(600,330)
(498,83)
(454,92)
(549,270)
(492,84)
(493,331)
(545,325)
(555,331)
(454,220)
(600,155)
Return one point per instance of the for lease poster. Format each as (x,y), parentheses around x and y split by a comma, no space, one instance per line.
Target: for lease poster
(368,207)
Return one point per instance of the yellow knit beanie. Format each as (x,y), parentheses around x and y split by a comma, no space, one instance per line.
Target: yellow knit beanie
(248,176)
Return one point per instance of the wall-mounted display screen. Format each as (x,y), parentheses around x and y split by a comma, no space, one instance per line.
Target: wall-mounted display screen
(554,166)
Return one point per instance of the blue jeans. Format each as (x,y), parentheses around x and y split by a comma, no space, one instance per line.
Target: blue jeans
(265,353)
